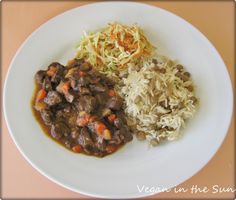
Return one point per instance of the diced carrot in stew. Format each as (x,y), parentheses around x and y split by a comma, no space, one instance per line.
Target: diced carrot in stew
(84,118)
(77,149)
(87,117)
(111,93)
(52,71)
(41,95)
(100,127)
(111,118)
(66,87)
(82,121)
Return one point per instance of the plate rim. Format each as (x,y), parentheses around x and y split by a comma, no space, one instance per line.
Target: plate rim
(78,191)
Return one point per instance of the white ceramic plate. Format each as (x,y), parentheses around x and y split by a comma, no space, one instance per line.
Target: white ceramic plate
(119,175)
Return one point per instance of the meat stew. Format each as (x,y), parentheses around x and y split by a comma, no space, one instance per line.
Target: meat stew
(78,107)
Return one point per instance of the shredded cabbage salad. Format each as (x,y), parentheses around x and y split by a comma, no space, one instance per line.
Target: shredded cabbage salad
(112,48)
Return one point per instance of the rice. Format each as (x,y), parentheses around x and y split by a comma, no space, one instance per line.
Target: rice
(158,101)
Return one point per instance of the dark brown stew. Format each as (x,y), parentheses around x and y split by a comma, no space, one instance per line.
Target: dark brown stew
(78,107)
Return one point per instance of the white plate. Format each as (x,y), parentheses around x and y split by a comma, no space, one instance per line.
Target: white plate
(118,175)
